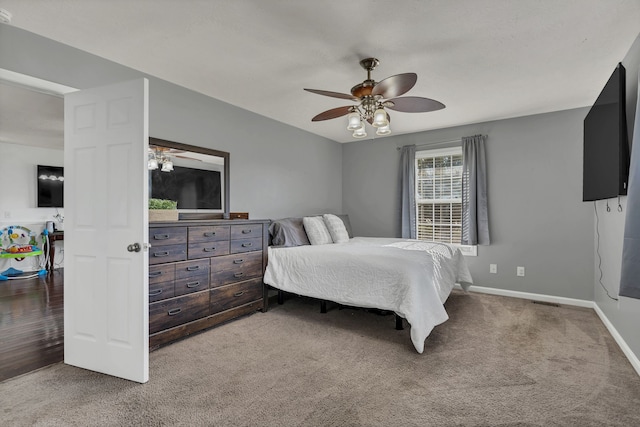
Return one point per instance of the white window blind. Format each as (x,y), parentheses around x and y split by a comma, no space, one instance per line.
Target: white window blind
(439,195)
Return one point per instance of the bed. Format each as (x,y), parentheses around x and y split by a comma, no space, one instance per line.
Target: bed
(409,277)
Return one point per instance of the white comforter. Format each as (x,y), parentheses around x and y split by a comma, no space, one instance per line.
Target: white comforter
(409,277)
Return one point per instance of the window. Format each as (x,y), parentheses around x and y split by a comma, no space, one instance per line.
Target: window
(439,195)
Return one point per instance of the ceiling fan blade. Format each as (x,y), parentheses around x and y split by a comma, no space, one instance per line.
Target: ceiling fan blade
(332,114)
(188,158)
(395,85)
(413,104)
(333,94)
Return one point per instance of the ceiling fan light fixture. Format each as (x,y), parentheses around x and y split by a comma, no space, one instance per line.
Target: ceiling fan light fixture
(384,130)
(152,164)
(353,121)
(360,132)
(380,118)
(167,166)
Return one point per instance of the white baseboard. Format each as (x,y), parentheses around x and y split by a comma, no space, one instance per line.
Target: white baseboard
(530,296)
(633,359)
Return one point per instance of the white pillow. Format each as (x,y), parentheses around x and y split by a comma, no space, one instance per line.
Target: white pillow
(336,228)
(316,230)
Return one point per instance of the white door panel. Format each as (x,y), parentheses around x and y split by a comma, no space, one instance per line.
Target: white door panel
(106,286)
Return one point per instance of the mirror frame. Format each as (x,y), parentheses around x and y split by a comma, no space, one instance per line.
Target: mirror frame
(207,151)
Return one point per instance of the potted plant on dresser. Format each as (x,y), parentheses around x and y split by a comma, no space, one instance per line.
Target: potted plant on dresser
(163,210)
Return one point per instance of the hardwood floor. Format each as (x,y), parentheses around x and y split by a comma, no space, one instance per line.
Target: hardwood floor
(31,324)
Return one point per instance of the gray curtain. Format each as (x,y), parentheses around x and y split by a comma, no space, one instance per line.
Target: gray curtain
(475,214)
(408,191)
(630,275)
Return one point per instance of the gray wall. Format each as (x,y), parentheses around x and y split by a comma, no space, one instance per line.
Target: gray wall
(269,175)
(625,313)
(537,218)
(535,169)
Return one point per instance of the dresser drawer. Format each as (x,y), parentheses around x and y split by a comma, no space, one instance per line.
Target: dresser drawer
(235,268)
(246,245)
(163,290)
(230,296)
(161,273)
(208,249)
(208,233)
(175,311)
(192,268)
(247,231)
(170,253)
(167,236)
(191,284)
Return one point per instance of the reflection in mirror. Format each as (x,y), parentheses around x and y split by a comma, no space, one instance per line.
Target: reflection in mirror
(195,177)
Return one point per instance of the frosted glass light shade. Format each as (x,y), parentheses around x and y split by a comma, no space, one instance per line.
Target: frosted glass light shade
(354,121)
(360,132)
(380,118)
(167,166)
(383,130)
(152,164)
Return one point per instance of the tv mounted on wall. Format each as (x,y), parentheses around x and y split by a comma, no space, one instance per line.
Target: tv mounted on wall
(606,146)
(50,186)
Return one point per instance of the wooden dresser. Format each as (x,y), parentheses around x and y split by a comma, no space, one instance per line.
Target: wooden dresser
(202,273)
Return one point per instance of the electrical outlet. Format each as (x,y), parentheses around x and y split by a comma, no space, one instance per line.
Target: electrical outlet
(493,268)
(520,271)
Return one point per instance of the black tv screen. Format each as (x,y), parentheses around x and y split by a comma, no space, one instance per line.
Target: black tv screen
(191,188)
(50,186)
(606,149)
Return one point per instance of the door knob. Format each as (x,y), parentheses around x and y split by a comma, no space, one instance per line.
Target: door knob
(134,247)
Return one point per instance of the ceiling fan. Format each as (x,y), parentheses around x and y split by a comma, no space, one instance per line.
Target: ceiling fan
(159,157)
(373,98)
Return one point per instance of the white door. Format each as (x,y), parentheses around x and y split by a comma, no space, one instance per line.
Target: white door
(106,286)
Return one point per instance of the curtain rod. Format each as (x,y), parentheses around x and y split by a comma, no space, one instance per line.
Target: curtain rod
(431,144)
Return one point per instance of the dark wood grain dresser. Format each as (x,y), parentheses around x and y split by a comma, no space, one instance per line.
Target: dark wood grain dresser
(203,273)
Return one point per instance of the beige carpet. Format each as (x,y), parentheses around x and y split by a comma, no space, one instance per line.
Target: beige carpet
(497,361)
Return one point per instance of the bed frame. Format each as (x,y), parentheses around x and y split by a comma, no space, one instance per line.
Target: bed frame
(323,307)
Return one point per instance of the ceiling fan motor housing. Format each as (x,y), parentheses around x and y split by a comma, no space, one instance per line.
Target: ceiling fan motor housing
(363,89)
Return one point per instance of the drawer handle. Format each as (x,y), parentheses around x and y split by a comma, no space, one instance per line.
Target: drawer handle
(160,236)
(209,249)
(247,245)
(174,311)
(193,268)
(246,231)
(155,293)
(238,261)
(238,275)
(209,234)
(238,294)
(193,284)
(155,274)
(161,254)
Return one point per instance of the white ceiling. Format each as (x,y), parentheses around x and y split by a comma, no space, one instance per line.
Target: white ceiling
(30,117)
(484,59)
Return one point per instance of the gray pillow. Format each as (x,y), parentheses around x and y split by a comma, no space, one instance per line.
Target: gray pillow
(288,232)
(347,224)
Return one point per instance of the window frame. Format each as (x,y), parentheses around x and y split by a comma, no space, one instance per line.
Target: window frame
(467,250)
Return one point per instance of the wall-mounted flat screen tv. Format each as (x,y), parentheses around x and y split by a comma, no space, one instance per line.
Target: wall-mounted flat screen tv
(191,188)
(606,146)
(50,186)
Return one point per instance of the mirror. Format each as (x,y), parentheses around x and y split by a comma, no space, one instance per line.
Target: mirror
(196,177)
